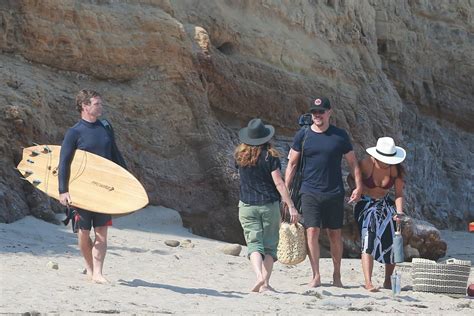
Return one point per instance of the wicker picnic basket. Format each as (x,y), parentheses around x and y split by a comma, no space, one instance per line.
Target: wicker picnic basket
(449,277)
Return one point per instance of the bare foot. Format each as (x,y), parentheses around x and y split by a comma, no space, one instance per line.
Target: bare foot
(315,282)
(99,279)
(266,288)
(257,286)
(336,280)
(387,285)
(371,288)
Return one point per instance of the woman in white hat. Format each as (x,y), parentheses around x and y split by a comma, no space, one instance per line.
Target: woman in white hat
(261,186)
(376,212)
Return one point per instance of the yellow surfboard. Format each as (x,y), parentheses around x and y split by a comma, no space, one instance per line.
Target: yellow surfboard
(96,183)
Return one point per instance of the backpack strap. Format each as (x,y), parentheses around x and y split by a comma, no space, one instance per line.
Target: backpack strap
(116,155)
(300,164)
(107,126)
(297,179)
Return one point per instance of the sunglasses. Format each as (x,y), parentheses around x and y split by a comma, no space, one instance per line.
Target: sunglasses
(319,112)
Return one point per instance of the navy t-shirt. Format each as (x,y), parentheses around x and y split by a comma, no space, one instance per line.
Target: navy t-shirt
(91,137)
(322,159)
(256,182)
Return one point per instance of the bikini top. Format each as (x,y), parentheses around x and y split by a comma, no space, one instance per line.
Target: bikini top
(369,182)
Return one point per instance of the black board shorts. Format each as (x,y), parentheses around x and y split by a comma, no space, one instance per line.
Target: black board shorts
(86,219)
(322,210)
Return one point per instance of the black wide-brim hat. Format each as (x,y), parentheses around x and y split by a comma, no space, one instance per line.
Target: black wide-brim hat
(256,133)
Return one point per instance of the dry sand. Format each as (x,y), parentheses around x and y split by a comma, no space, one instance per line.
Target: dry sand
(148,277)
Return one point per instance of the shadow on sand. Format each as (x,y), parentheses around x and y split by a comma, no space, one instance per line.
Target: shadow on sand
(181,290)
(399,298)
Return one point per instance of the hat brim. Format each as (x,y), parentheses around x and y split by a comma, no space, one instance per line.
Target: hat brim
(244,137)
(399,156)
(318,108)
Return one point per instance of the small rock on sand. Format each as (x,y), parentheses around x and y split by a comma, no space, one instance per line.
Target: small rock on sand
(53,265)
(232,249)
(187,243)
(172,243)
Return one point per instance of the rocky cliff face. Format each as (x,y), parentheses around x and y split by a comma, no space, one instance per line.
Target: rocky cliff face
(427,53)
(181,77)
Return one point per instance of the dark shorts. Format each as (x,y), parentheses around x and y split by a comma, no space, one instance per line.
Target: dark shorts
(322,210)
(86,219)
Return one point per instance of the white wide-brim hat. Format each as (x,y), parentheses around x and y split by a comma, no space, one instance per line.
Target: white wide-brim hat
(387,152)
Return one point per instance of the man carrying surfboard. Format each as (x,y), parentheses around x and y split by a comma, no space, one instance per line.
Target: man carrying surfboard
(89,134)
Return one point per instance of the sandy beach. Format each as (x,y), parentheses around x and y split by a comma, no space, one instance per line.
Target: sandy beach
(148,277)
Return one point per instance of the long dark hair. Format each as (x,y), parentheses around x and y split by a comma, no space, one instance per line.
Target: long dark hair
(400,171)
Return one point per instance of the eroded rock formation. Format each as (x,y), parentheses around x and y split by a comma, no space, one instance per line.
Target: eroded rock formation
(180,77)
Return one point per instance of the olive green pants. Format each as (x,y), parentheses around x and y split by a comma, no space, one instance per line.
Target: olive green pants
(261,225)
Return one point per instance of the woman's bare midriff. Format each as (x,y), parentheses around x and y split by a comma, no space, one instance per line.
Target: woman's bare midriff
(376,193)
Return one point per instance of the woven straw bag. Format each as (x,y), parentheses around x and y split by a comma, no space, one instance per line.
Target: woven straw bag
(292,244)
(448,277)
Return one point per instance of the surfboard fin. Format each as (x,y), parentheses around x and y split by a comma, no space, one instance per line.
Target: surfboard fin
(46,149)
(36,182)
(26,172)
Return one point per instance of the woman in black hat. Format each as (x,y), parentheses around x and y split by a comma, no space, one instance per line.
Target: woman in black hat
(261,186)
